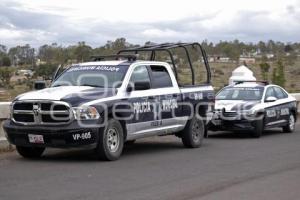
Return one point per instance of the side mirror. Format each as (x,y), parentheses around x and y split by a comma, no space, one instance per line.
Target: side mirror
(271,99)
(129,88)
(39,85)
(142,85)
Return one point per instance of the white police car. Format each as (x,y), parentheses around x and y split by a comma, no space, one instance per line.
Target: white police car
(254,106)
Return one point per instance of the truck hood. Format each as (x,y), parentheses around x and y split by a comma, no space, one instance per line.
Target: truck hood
(74,95)
(233,105)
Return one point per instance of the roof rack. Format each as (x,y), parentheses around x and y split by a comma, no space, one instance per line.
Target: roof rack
(263,82)
(167,47)
(129,57)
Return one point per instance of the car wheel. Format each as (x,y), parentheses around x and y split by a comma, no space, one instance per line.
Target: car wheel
(290,127)
(30,152)
(193,133)
(258,128)
(111,141)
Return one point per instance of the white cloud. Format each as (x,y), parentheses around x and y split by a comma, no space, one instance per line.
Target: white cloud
(68,21)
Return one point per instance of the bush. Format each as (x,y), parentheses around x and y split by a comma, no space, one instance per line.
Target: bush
(6,61)
(46,71)
(5,75)
(219,72)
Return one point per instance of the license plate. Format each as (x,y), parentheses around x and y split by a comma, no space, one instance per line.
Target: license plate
(36,139)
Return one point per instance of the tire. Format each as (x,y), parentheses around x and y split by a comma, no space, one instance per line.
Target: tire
(205,133)
(111,141)
(290,127)
(258,128)
(193,133)
(30,152)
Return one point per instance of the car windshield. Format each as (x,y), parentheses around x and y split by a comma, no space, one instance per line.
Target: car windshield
(95,76)
(241,93)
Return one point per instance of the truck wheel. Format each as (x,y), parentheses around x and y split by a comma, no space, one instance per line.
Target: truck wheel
(290,127)
(258,128)
(30,152)
(193,133)
(111,141)
(206,133)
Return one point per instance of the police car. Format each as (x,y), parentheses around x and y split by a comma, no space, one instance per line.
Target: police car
(104,103)
(254,106)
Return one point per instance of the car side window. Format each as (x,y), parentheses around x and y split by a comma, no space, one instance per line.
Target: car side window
(161,77)
(270,93)
(280,94)
(140,74)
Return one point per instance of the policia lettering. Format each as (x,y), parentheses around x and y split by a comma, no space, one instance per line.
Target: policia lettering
(145,106)
(281,112)
(142,107)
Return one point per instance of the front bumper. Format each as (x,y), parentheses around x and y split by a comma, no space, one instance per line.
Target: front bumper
(232,122)
(70,135)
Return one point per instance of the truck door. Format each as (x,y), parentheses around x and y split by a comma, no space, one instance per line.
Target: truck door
(166,96)
(141,100)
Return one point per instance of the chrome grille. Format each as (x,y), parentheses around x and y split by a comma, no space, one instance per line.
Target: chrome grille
(41,112)
(230,114)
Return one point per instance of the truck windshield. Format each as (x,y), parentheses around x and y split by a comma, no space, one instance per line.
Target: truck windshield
(241,93)
(95,76)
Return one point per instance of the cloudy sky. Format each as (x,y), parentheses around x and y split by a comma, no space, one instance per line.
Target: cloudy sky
(66,22)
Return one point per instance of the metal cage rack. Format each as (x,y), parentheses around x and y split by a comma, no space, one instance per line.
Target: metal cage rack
(168,47)
(129,57)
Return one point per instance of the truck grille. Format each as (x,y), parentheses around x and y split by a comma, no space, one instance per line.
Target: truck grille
(230,114)
(40,112)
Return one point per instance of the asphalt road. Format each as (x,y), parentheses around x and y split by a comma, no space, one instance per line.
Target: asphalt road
(228,166)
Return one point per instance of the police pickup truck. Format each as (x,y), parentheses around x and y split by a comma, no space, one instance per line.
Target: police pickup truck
(254,106)
(104,103)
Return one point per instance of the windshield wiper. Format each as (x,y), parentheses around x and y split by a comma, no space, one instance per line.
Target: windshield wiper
(58,85)
(91,85)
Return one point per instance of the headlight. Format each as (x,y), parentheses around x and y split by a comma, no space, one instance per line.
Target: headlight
(248,112)
(85,113)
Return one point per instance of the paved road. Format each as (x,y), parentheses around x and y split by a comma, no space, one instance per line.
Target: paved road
(228,166)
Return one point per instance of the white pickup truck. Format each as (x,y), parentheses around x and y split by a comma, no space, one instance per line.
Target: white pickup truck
(103,104)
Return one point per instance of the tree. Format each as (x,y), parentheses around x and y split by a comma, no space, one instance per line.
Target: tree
(54,54)
(288,48)
(278,77)
(3,50)
(264,68)
(82,52)
(22,54)
(262,47)
(119,43)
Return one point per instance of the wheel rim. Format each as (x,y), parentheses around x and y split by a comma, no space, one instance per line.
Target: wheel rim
(196,131)
(113,140)
(292,122)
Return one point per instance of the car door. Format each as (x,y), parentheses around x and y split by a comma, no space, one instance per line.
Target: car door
(271,108)
(284,105)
